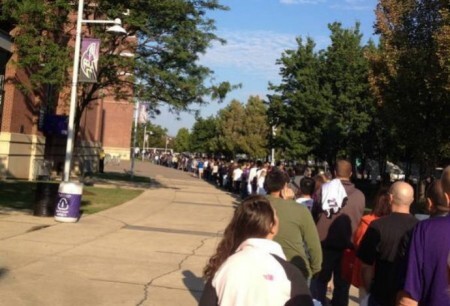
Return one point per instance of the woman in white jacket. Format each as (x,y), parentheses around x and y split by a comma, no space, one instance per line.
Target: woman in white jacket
(248,267)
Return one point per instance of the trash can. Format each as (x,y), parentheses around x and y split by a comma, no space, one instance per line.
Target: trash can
(69,201)
(45,198)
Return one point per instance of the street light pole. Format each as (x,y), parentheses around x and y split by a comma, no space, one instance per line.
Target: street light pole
(144,139)
(272,159)
(167,142)
(136,115)
(73,94)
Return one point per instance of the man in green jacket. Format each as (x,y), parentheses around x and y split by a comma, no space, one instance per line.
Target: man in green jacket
(297,234)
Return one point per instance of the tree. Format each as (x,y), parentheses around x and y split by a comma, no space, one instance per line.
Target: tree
(157,136)
(345,71)
(256,128)
(170,36)
(298,108)
(231,128)
(410,76)
(204,135)
(323,106)
(182,141)
(42,48)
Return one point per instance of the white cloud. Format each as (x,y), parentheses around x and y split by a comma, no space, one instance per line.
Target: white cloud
(253,52)
(354,5)
(289,2)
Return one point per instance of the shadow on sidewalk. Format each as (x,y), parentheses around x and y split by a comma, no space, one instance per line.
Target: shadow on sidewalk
(124,180)
(3,272)
(194,284)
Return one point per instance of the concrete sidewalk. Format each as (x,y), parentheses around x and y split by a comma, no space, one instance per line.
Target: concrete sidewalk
(148,251)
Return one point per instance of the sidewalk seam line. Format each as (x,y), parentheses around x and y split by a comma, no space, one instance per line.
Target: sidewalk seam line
(149,284)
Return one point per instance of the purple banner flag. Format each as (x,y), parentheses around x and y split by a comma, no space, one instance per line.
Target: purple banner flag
(89,60)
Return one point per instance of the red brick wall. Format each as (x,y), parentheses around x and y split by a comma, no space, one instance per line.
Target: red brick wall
(117,124)
(20,112)
(90,122)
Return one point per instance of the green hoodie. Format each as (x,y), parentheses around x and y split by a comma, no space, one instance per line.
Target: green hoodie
(298,236)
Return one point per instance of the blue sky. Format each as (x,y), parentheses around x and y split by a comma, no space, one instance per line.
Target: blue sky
(257,32)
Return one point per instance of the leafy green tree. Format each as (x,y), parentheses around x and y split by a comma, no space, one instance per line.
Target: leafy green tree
(231,129)
(410,76)
(256,128)
(346,72)
(156,136)
(42,48)
(182,141)
(299,109)
(169,37)
(323,106)
(204,135)
(235,129)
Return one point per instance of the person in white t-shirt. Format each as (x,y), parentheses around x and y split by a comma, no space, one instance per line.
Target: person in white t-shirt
(237,178)
(260,190)
(253,178)
(215,172)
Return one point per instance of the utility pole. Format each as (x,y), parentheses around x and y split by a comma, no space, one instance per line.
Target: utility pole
(274,133)
(136,112)
(144,140)
(167,142)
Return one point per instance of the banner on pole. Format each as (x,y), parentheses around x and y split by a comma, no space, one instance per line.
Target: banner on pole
(90,48)
(142,115)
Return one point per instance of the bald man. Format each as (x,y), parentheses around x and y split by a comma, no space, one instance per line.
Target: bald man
(426,280)
(382,248)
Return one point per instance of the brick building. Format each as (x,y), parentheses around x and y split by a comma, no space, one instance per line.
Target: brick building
(27,150)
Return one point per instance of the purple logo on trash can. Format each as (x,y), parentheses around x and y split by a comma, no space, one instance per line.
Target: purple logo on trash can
(68,205)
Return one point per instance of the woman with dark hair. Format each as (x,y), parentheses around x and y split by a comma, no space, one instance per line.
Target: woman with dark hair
(436,200)
(249,268)
(381,208)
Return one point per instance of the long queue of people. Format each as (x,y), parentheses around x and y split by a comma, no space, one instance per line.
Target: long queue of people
(242,178)
(287,243)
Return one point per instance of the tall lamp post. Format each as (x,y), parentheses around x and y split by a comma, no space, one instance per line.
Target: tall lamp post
(117,29)
(145,140)
(274,133)
(167,142)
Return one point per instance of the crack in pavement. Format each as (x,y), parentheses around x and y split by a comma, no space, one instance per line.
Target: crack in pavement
(114,281)
(202,204)
(173,288)
(149,284)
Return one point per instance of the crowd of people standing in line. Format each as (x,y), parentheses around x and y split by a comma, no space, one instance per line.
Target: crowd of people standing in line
(241,177)
(296,232)
(288,241)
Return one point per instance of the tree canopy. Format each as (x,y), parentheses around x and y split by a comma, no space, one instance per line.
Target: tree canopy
(236,129)
(204,135)
(323,106)
(410,76)
(165,39)
(182,141)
